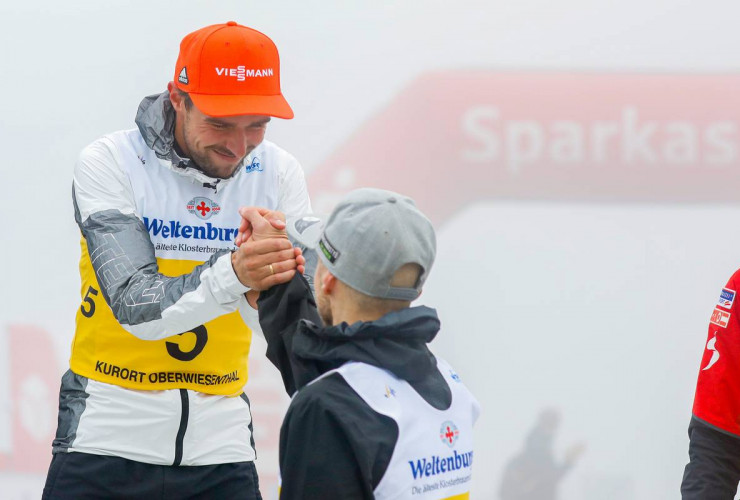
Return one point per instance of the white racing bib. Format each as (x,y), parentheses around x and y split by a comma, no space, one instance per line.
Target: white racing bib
(433,457)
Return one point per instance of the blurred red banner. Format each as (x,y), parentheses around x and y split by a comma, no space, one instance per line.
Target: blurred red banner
(455,137)
(33,380)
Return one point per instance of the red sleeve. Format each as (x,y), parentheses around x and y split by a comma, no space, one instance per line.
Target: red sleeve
(717,399)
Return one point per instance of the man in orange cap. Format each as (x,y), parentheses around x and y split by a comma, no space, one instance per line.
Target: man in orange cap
(153,403)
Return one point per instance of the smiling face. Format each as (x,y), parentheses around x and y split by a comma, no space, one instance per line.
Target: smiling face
(217,144)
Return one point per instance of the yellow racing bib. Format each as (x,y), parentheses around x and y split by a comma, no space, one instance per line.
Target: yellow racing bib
(211,358)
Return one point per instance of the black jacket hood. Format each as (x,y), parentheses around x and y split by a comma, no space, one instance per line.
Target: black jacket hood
(396,342)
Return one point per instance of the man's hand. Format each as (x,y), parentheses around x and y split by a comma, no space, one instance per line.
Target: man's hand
(260,223)
(265,256)
(265,263)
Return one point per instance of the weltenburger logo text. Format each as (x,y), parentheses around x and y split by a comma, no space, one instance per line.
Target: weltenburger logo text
(176,229)
(425,467)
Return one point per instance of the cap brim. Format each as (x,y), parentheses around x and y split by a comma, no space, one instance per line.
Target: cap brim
(305,230)
(234,105)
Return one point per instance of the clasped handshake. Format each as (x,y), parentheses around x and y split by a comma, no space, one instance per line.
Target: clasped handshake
(265,257)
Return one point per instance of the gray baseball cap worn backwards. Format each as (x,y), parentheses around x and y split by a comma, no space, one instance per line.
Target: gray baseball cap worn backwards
(369,235)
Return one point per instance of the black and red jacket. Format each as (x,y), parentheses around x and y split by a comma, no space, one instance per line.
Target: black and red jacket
(713,471)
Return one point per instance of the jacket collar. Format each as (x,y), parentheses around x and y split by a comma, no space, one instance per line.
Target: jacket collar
(396,342)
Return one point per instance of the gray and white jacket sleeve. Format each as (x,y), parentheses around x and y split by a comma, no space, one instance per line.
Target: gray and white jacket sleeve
(145,302)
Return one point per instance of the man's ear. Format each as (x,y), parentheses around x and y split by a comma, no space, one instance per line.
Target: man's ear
(175,98)
(328,282)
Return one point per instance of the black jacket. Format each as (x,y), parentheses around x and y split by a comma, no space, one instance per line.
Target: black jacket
(714,468)
(332,444)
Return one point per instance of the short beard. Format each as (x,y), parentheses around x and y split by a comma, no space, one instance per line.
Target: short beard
(202,162)
(204,165)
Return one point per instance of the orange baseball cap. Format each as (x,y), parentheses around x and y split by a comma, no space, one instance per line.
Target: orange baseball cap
(229,69)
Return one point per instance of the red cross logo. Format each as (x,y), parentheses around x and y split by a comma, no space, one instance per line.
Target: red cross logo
(202,208)
(449,433)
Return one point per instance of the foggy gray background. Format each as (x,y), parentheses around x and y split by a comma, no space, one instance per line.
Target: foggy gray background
(599,310)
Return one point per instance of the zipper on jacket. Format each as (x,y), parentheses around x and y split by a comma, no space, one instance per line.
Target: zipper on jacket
(183,426)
